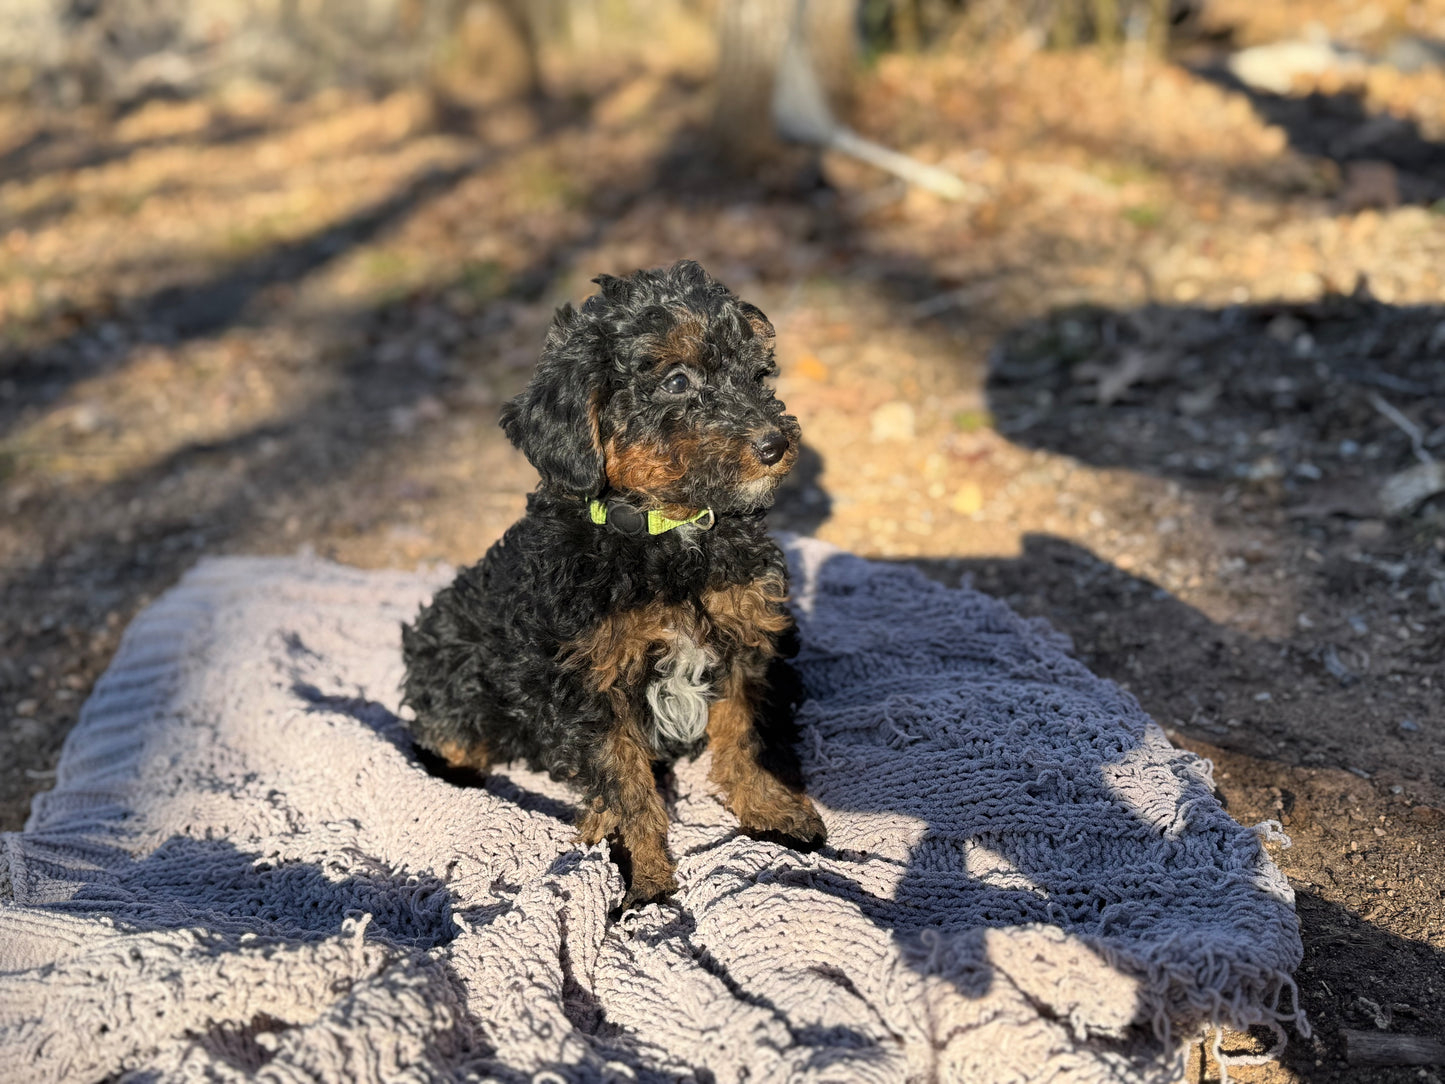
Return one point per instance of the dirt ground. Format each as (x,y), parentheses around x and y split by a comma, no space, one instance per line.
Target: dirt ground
(1150,385)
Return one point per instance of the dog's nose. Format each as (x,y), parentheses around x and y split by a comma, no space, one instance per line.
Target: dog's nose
(771,447)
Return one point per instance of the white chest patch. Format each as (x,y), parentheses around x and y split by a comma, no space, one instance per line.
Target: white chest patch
(680,694)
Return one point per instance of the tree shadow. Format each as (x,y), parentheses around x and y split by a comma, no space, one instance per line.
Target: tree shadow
(213,885)
(42,369)
(1166,390)
(1340,128)
(1039,838)
(178,313)
(1355,954)
(311,446)
(383,721)
(1282,415)
(233,902)
(53,148)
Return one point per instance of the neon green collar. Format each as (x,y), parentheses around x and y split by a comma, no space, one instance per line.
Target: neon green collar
(628,520)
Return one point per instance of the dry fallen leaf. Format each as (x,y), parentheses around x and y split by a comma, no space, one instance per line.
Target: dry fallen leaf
(810,367)
(968,500)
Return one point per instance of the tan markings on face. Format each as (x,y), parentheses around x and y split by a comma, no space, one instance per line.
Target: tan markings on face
(683,343)
(653,469)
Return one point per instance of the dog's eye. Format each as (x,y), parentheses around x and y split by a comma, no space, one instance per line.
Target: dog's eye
(677,383)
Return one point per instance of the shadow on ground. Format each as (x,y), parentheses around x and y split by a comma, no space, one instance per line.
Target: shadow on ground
(1289,420)
(1341,129)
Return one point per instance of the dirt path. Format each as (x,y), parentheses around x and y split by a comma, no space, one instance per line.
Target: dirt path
(1126,392)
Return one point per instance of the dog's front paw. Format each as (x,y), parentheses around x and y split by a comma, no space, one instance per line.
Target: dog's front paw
(794,824)
(648,888)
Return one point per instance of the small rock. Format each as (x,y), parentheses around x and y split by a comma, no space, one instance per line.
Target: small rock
(893,421)
(1409,726)
(1261,470)
(402,421)
(1436,344)
(1285,328)
(1436,594)
(407,533)
(1194,403)
(85,418)
(1411,53)
(1370,183)
(429,358)
(1274,67)
(1403,491)
(27,707)
(1368,530)
(430,409)
(1330,658)
(25,729)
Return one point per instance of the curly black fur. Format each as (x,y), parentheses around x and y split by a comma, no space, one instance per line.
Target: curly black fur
(653,394)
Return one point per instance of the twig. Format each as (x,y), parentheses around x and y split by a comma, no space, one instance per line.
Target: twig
(1405,425)
(962,297)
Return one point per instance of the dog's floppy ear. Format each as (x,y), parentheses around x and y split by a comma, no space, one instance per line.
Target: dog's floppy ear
(554,420)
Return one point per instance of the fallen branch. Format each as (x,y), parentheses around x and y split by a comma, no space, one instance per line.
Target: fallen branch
(1405,425)
(801,115)
(1381,1048)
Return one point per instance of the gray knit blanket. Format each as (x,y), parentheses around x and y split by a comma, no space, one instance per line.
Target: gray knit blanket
(244,872)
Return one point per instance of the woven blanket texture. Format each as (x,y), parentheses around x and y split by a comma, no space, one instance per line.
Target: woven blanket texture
(244,872)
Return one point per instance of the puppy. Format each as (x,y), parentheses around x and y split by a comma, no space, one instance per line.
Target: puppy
(636,613)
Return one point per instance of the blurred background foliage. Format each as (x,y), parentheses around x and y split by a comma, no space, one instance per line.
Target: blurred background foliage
(73,51)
